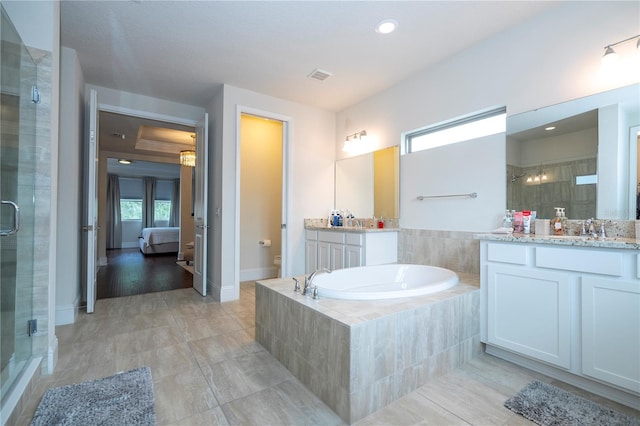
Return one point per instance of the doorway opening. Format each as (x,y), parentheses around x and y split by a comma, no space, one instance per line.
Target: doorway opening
(147,226)
(261,196)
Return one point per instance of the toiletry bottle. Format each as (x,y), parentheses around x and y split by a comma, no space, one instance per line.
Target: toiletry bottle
(534,216)
(381,223)
(563,216)
(557,222)
(526,221)
(507,220)
(340,219)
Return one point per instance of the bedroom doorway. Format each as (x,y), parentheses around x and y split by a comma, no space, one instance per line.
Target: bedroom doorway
(124,269)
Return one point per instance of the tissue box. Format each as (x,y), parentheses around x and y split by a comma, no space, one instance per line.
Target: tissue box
(543,226)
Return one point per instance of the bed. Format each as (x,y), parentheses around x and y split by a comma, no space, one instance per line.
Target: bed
(159,240)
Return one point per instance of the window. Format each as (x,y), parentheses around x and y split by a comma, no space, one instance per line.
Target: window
(161,210)
(459,130)
(131,209)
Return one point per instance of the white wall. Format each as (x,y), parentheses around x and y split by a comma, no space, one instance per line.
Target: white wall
(311,159)
(473,166)
(70,178)
(34,22)
(550,59)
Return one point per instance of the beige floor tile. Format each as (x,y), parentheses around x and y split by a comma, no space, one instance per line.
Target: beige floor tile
(147,339)
(244,375)
(224,347)
(182,395)
(195,328)
(468,398)
(165,361)
(214,417)
(413,409)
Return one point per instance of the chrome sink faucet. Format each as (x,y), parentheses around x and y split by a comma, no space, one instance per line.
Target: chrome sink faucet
(308,281)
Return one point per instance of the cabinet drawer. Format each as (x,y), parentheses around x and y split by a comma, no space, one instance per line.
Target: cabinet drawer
(331,237)
(638,267)
(507,253)
(595,262)
(311,235)
(353,239)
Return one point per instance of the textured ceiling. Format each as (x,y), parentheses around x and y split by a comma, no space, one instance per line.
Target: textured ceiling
(183,50)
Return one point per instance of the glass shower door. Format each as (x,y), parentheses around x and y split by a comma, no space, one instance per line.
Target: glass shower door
(18,158)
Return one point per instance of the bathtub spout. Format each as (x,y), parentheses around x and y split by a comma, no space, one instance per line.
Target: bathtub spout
(308,280)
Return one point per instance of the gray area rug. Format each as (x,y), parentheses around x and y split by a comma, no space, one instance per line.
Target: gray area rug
(548,405)
(125,398)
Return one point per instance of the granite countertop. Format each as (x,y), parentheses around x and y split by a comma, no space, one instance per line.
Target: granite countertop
(353,229)
(564,240)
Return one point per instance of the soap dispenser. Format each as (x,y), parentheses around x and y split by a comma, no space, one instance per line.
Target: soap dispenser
(557,222)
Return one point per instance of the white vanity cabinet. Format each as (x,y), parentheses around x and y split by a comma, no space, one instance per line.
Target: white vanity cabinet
(572,312)
(529,312)
(611,331)
(336,249)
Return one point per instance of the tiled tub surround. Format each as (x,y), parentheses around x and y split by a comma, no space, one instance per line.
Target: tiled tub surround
(359,356)
(455,250)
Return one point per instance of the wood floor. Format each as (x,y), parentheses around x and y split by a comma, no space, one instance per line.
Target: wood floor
(129,272)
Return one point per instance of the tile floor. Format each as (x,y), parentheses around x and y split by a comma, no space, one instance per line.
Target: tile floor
(208,370)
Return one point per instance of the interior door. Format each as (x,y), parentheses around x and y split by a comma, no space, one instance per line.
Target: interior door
(90,226)
(200,208)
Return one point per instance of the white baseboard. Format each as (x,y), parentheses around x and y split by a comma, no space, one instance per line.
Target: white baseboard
(258,273)
(130,244)
(104,261)
(66,314)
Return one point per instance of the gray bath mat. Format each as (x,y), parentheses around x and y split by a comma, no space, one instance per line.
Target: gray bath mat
(548,405)
(125,398)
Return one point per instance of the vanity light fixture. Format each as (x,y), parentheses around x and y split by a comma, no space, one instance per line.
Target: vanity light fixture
(188,158)
(386,26)
(355,141)
(124,161)
(610,56)
(550,128)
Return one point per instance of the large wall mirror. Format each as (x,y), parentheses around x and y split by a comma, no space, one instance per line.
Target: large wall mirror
(581,155)
(368,184)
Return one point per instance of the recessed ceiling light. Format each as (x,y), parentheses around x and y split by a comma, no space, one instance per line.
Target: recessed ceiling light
(386,26)
(124,161)
(550,128)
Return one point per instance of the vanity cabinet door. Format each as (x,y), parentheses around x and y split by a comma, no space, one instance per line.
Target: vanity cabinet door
(353,256)
(611,331)
(311,252)
(324,255)
(529,312)
(337,256)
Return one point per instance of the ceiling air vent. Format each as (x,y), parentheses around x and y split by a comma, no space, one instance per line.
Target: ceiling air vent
(319,74)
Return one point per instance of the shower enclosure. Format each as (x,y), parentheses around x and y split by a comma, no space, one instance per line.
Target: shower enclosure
(18,157)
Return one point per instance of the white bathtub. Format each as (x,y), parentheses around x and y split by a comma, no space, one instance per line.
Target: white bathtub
(384,282)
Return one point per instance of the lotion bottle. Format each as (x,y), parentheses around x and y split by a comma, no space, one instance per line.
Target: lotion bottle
(557,222)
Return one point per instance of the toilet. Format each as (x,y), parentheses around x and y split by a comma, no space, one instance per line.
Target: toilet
(277,260)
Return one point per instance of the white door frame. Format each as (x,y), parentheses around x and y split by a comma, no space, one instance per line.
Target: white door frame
(287,132)
(140,114)
(633,170)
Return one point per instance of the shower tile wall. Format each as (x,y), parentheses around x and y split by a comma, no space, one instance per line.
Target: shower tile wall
(559,190)
(35,168)
(455,250)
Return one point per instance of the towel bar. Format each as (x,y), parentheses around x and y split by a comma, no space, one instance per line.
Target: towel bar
(470,195)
